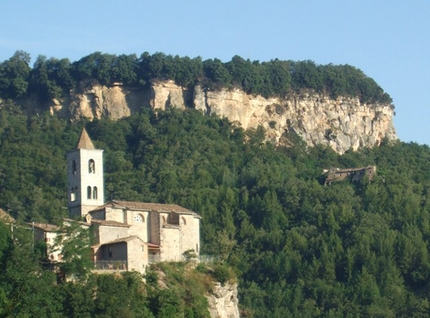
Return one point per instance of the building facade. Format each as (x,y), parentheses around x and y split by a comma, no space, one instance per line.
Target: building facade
(125,235)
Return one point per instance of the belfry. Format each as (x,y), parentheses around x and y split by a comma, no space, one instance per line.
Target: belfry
(85,186)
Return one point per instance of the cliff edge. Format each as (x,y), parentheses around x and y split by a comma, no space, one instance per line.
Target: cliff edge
(343,123)
(223,301)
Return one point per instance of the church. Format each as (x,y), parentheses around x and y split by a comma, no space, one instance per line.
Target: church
(125,235)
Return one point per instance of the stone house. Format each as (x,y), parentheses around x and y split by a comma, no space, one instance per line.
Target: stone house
(48,234)
(126,235)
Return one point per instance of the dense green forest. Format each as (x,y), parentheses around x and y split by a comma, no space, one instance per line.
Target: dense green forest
(298,248)
(52,78)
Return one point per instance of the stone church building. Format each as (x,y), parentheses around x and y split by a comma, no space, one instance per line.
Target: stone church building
(126,235)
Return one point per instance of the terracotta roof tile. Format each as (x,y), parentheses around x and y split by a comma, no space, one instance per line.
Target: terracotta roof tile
(109,223)
(152,246)
(158,207)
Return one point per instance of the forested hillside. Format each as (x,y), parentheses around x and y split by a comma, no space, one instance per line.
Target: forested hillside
(299,248)
(53,77)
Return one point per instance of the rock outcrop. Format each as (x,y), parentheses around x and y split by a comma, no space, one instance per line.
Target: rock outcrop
(343,123)
(223,302)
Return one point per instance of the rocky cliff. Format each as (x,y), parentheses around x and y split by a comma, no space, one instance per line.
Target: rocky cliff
(342,123)
(223,302)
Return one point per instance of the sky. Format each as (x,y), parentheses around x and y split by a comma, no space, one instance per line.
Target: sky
(388,40)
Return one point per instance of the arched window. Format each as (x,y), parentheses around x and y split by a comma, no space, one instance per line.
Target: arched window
(88,192)
(163,220)
(183,222)
(74,167)
(73,194)
(95,193)
(91,166)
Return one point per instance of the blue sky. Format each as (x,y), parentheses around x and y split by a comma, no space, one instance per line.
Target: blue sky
(388,40)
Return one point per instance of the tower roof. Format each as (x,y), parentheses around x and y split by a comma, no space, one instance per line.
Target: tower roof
(84,141)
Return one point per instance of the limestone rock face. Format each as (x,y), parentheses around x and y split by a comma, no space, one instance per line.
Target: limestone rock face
(342,123)
(167,94)
(223,302)
(94,101)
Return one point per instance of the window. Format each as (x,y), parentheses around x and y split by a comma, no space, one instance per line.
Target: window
(91,166)
(183,222)
(95,193)
(74,167)
(89,193)
(73,194)
(138,218)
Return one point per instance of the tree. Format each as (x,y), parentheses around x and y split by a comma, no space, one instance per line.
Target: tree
(14,75)
(216,73)
(73,241)
(124,69)
(27,286)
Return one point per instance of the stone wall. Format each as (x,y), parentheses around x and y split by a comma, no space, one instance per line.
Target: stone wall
(155,221)
(138,228)
(137,255)
(170,242)
(111,233)
(115,214)
(190,229)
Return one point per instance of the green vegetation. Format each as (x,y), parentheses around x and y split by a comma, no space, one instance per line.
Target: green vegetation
(52,78)
(28,290)
(298,248)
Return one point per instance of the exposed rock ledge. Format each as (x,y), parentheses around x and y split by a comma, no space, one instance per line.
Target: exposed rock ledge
(223,302)
(342,124)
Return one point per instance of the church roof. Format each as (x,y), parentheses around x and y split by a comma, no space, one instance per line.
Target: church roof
(157,207)
(109,223)
(45,227)
(84,141)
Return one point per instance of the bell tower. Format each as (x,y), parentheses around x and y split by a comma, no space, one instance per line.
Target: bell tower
(85,188)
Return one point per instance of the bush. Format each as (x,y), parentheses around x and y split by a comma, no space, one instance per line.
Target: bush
(221,273)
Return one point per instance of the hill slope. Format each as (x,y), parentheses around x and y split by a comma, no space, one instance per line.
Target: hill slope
(297,246)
